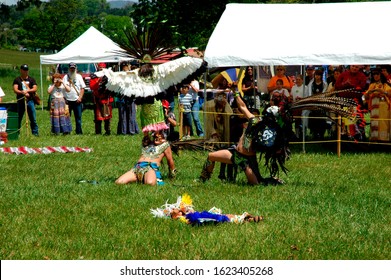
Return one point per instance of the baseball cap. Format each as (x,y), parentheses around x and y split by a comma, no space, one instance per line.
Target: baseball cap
(102,64)
(310,67)
(72,65)
(24,67)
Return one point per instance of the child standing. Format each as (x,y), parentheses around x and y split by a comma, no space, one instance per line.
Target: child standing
(59,111)
(185,101)
(279,94)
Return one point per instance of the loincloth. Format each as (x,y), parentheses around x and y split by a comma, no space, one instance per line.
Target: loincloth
(143,167)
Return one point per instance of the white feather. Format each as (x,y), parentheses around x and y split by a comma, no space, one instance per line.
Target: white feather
(165,75)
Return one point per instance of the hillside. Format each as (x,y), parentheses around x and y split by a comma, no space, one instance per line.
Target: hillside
(118,4)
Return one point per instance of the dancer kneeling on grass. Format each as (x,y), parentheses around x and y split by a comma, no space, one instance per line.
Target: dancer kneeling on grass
(263,135)
(146,170)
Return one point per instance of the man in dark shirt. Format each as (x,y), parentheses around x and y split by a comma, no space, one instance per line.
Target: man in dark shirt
(25,88)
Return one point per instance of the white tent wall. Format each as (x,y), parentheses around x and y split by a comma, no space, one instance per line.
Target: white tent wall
(273,34)
(90,47)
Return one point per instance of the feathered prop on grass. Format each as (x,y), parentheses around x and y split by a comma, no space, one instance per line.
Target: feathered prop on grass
(183,211)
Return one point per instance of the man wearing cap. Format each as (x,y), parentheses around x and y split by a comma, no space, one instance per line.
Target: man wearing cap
(25,88)
(75,96)
(309,74)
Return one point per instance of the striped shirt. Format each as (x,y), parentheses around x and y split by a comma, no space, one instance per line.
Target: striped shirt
(186,101)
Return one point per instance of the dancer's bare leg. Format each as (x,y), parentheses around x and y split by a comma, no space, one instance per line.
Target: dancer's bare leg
(128,177)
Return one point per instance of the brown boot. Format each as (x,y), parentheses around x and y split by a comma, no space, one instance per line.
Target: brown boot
(207,170)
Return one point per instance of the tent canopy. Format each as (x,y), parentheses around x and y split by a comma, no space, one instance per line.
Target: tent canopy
(91,46)
(300,34)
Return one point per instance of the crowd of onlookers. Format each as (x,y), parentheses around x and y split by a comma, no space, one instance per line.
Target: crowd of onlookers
(368,85)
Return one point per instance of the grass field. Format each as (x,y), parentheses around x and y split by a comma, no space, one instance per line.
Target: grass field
(330,208)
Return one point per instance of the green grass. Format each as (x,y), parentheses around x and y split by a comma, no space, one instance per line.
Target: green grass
(329,208)
(10,61)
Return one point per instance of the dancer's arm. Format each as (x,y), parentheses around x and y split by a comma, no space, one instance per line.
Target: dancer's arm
(242,106)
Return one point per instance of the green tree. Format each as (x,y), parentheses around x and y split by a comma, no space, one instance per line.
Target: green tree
(115,26)
(55,24)
(96,7)
(186,23)
(22,5)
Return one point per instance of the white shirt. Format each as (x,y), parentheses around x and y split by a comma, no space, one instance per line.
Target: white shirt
(299,91)
(1,92)
(193,93)
(78,83)
(58,92)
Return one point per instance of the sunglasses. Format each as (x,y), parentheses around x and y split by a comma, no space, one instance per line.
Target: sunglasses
(280,69)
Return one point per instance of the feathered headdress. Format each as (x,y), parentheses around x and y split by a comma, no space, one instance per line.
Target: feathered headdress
(131,84)
(184,203)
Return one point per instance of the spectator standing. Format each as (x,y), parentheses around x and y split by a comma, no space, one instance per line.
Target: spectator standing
(317,122)
(185,100)
(287,82)
(250,89)
(299,91)
(103,99)
(25,88)
(330,88)
(75,96)
(1,94)
(353,78)
(336,72)
(127,112)
(194,88)
(309,74)
(367,72)
(385,69)
(59,110)
(378,98)
(279,94)
(263,78)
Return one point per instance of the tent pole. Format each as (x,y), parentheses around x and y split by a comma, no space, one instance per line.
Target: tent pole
(339,127)
(203,104)
(254,90)
(40,70)
(303,129)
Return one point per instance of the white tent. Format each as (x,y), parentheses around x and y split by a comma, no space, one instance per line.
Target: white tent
(300,34)
(91,46)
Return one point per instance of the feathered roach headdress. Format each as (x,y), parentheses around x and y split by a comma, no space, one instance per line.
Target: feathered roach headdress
(184,204)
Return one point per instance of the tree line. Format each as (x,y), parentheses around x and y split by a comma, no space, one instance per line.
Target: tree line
(52,25)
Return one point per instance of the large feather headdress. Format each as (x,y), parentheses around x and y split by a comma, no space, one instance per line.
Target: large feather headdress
(165,75)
